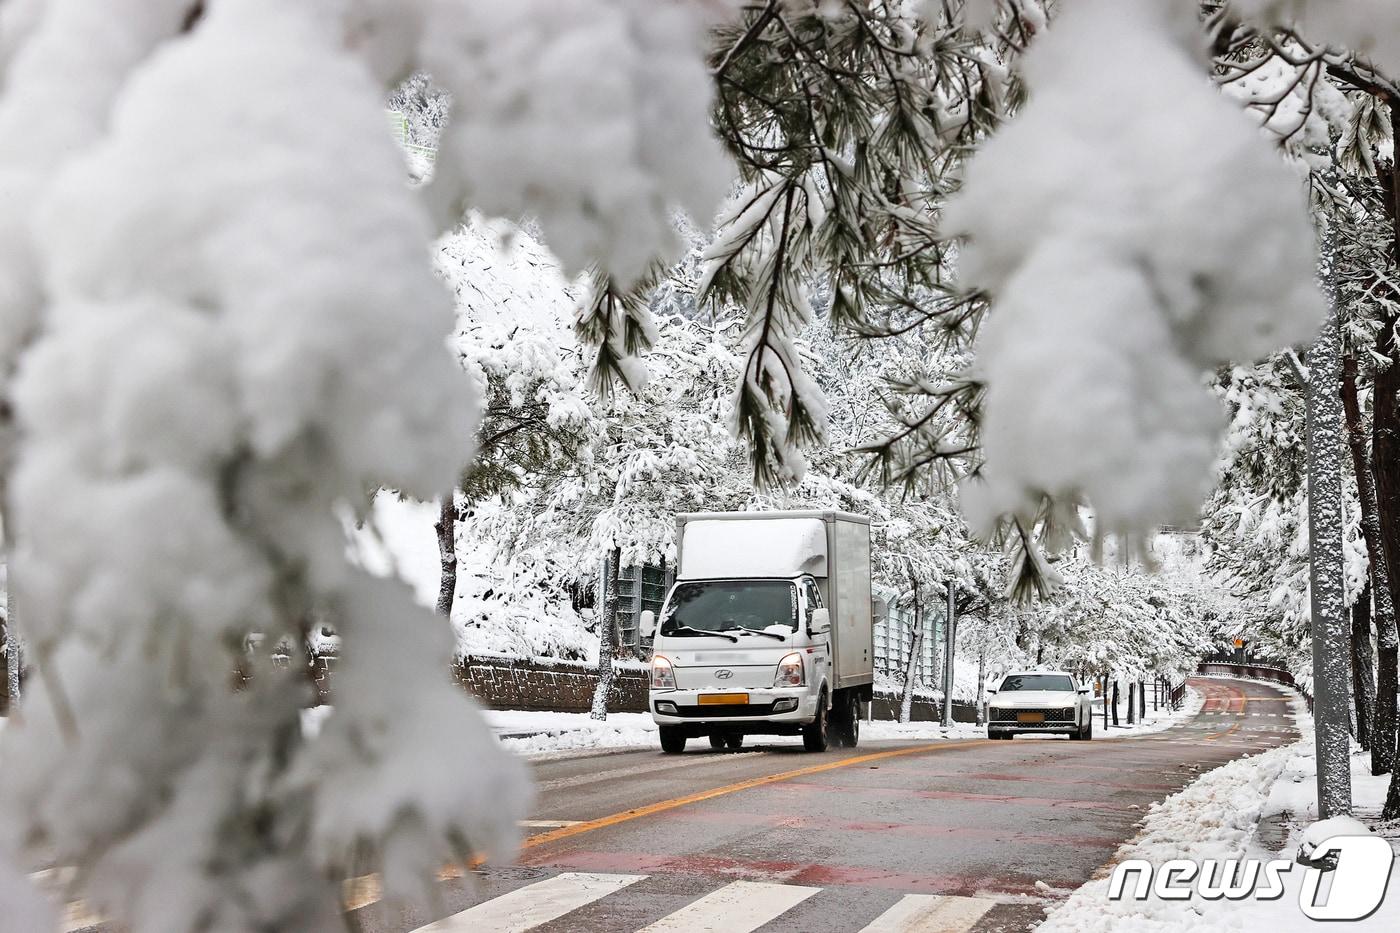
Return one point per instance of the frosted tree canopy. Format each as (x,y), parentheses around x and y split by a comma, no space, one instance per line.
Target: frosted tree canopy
(221,329)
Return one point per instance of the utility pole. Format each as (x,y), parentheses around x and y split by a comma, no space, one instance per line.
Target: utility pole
(1331,650)
(949,630)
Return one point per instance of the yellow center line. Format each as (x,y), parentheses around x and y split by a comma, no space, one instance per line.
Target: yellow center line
(367,889)
(588,826)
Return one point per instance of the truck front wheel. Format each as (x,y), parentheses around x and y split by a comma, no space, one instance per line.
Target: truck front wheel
(845,719)
(672,739)
(814,735)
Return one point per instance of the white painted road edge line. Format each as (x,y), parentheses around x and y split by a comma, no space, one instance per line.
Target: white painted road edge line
(738,907)
(533,905)
(931,913)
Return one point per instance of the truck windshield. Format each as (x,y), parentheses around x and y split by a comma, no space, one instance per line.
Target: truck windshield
(729,605)
(1036,682)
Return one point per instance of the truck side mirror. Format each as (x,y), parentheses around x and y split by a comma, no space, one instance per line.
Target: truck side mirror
(1084,691)
(821,621)
(646,623)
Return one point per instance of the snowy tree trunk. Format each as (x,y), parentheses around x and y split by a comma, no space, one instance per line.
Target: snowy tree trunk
(1330,636)
(607,627)
(1132,702)
(906,703)
(1385,472)
(1103,691)
(1115,702)
(446,528)
(1385,469)
(1378,699)
(981,684)
(14,660)
(949,642)
(1363,684)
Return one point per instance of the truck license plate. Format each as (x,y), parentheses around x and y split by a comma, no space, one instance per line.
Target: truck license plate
(722,699)
(1028,718)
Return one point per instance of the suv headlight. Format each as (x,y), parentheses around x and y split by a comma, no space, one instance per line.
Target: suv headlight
(663,676)
(790,672)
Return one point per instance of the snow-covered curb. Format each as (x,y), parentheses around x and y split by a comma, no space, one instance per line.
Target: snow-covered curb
(1217,816)
(528,732)
(540,732)
(1213,817)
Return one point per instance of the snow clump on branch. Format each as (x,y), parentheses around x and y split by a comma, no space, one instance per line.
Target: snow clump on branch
(1152,235)
(591,116)
(240,334)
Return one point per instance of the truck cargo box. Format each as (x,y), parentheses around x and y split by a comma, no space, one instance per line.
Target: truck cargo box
(834,547)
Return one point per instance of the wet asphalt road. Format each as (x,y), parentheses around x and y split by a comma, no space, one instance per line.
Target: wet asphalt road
(1011,826)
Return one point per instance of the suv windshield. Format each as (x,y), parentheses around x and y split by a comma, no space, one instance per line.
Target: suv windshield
(729,605)
(1036,682)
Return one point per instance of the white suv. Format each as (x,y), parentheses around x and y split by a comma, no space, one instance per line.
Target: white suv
(1040,701)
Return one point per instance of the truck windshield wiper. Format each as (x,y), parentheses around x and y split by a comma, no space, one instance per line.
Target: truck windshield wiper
(757,631)
(697,631)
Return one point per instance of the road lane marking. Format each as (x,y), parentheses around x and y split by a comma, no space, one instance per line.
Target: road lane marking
(662,806)
(738,907)
(931,913)
(830,876)
(533,905)
(547,824)
(629,770)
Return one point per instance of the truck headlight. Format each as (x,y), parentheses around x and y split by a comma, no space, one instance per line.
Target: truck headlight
(790,672)
(663,676)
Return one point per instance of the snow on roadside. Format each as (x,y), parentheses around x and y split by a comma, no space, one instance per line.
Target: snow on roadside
(542,732)
(564,732)
(1217,816)
(1213,817)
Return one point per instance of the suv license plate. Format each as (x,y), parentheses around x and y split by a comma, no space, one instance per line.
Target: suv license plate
(723,699)
(1029,718)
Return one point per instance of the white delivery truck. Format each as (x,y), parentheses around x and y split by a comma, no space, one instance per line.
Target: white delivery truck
(766,631)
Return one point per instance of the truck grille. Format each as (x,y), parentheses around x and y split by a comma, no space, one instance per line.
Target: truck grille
(721,711)
(1051,715)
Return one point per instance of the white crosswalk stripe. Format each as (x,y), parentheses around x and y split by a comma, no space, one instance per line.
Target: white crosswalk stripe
(533,905)
(931,913)
(737,907)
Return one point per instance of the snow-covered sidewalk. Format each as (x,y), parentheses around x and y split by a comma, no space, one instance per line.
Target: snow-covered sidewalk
(1158,720)
(1218,817)
(529,732)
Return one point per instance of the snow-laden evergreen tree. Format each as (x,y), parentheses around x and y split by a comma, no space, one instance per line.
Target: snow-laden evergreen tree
(223,295)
